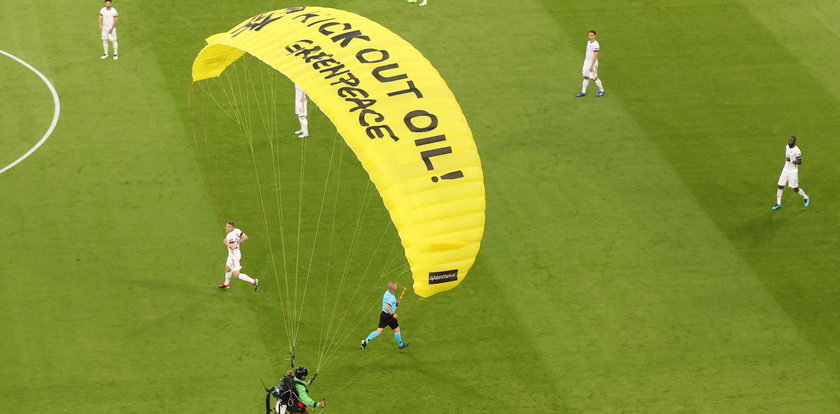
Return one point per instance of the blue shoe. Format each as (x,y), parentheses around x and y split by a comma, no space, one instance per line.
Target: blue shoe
(404,345)
(807,202)
(600,93)
(580,95)
(776,207)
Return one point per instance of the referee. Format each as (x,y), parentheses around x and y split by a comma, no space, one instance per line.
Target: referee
(388,318)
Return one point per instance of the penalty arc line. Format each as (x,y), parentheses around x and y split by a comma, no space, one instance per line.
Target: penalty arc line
(55,114)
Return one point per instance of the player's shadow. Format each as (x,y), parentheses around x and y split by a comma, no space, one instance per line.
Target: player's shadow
(763,227)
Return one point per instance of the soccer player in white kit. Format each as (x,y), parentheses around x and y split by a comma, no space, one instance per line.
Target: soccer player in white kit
(422,3)
(590,66)
(232,240)
(108,17)
(790,174)
(301,109)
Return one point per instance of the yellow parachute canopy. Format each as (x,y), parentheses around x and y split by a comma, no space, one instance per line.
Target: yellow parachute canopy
(394,111)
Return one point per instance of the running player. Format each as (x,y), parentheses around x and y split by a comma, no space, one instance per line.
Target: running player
(232,240)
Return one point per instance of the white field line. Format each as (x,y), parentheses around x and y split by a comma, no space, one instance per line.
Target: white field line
(55,115)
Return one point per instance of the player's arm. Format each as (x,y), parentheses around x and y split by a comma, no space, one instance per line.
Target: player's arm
(390,310)
(115,24)
(100,22)
(798,160)
(243,237)
(594,60)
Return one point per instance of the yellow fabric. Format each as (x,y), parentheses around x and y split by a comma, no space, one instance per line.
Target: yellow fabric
(395,112)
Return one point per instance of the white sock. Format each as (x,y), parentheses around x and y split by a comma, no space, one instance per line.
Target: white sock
(304,125)
(585,84)
(243,276)
(227,278)
(802,193)
(105,47)
(115,47)
(597,82)
(779,197)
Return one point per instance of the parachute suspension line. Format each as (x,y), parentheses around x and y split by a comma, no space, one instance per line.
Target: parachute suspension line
(342,335)
(295,315)
(321,334)
(274,141)
(236,89)
(241,105)
(318,224)
(388,269)
(348,261)
(277,162)
(354,329)
(368,198)
(268,117)
(323,346)
(209,90)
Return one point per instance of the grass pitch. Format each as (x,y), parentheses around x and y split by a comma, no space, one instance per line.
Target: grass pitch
(631,262)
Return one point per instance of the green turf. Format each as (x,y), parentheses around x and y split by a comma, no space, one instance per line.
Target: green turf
(29,91)
(630,263)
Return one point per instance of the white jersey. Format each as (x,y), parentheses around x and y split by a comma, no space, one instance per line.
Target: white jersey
(792,154)
(233,237)
(591,48)
(108,17)
(299,93)
(300,101)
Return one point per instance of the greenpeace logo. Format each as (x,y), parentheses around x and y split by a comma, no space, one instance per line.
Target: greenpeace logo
(443,277)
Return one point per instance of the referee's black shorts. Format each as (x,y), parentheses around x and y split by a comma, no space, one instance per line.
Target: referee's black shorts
(386,319)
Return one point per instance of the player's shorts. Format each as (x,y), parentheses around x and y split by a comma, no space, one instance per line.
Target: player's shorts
(109,36)
(388,320)
(790,176)
(301,108)
(587,73)
(233,263)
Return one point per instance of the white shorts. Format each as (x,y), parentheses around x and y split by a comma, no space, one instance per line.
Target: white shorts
(790,176)
(301,107)
(233,263)
(589,74)
(109,36)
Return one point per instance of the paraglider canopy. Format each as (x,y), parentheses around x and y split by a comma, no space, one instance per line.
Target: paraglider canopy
(394,111)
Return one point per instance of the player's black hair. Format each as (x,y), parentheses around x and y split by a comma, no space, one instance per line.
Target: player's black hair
(593,32)
(793,136)
(231,223)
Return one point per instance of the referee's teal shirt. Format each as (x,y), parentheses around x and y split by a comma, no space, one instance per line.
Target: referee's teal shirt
(389,298)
